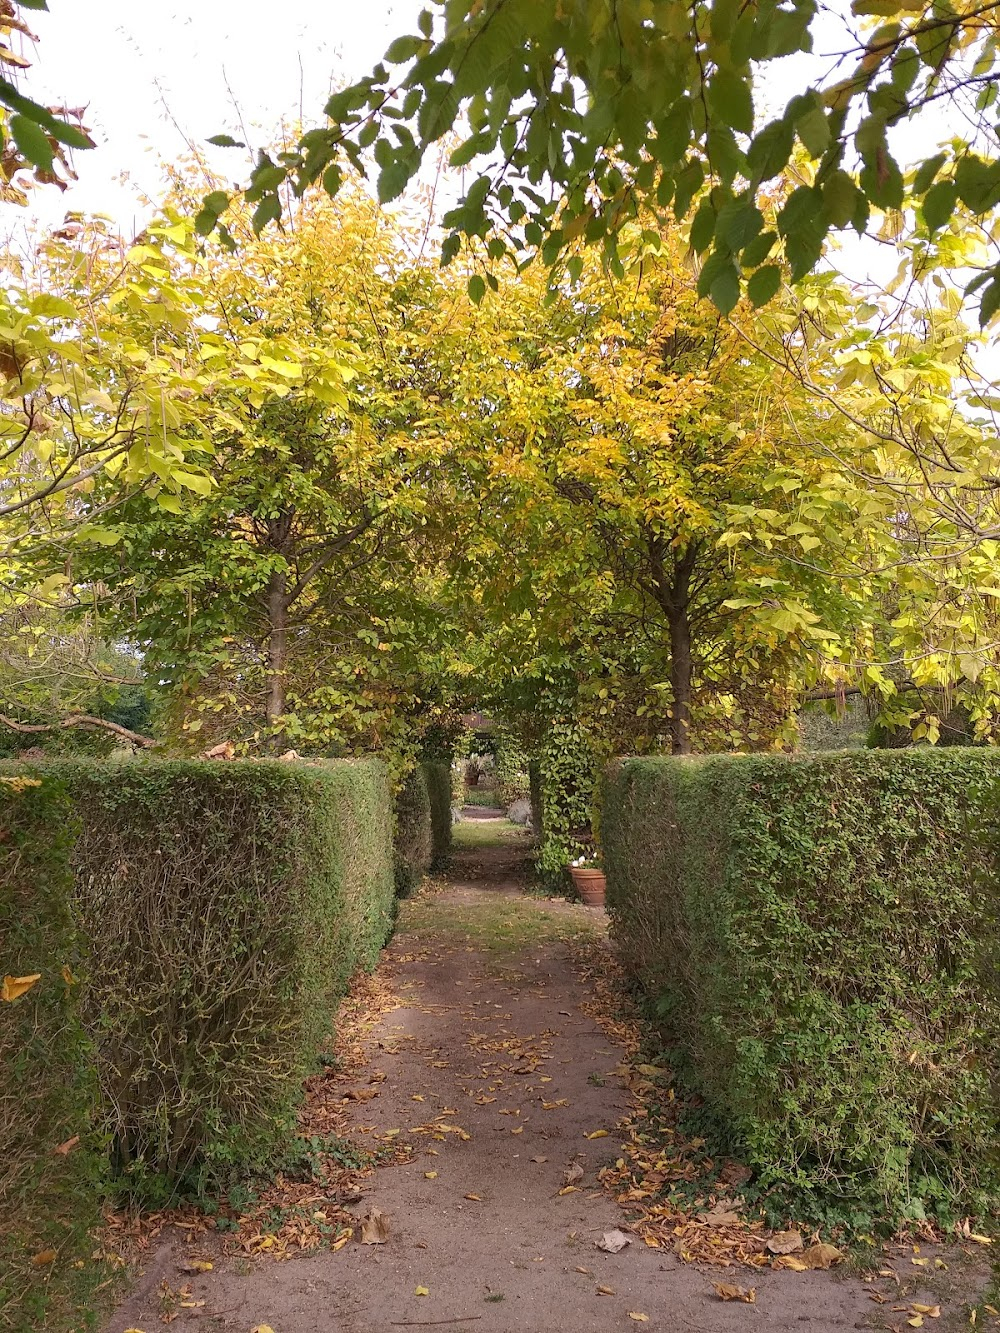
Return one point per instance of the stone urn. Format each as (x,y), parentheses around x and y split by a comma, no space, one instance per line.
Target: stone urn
(589,884)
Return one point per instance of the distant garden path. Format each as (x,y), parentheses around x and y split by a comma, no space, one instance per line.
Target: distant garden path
(499,1077)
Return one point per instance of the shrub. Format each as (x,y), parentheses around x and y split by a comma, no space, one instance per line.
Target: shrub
(438,779)
(210,916)
(48,1089)
(413,842)
(820,936)
(568,778)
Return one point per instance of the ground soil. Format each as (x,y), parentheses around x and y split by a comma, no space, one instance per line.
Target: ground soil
(497,1075)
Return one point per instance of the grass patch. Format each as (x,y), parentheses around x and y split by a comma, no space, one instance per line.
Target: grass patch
(501,927)
(486,833)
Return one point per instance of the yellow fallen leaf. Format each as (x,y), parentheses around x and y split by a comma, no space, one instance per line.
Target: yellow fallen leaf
(916,1322)
(639,1318)
(605,1291)
(598,1134)
(790,1261)
(931,1311)
(68,976)
(519,1130)
(341,1241)
(42,1258)
(474,1198)
(263,1328)
(430,1175)
(416,1097)
(981,1240)
(920,1263)
(422,1291)
(652,1242)
(727,1292)
(569,1189)
(14,987)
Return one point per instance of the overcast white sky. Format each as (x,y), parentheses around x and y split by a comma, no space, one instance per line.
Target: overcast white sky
(139,65)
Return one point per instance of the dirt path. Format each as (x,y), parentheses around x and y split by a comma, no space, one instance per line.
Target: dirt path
(499,1081)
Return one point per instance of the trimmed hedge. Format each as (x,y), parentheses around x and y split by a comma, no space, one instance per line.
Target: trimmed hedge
(438,779)
(821,937)
(210,916)
(413,840)
(423,825)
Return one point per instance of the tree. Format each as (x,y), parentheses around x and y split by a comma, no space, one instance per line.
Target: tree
(582,115)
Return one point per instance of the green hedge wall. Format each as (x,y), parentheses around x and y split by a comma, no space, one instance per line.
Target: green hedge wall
(439,787)
(423,825)
(820,935)
(210,916)
(413,840)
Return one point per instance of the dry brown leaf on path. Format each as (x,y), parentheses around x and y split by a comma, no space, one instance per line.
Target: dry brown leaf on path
(539,1159)
(613,1242)
(785,1242)
(572,1174)
(375,1228)
(727,1292)
(605,1291)
(42,1258)
(820,1256)
(474,1198)
(720,1218)
(638,1317)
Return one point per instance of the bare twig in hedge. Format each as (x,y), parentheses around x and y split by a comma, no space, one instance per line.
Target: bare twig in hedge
(77,720)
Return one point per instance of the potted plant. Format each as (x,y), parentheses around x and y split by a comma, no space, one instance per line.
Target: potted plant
(588,880)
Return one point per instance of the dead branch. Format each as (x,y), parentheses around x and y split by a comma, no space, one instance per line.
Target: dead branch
(78,720)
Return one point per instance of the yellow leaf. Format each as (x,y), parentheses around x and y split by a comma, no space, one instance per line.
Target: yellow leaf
(430,1175)
(916,1322)
(475,1198)
(42,1258)
(14,987)
(263,1328)
(931,1311)
(598,1134)
(981,1240)
(68,976)
(605,1291)
(519,1130)
(422,1291)
(639,1318)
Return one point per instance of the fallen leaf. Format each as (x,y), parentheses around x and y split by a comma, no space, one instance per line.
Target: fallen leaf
(598,1134)
(720,1218)
(568,1189)
(65,1148)
(375,1228)
(519,1130)
(931,1311)
(539,1159)
(605,1291)
(262,1328)
(821,1256)
(639,1318)
(916,1322)
(474,1198)
(42,1258)
(67,975)
(195,1266)
(430,1175)
(14,987)
(421,1291)
(792,1262)
(586,1271)
(612,1242)
(726,1292)
(572,1174)
(785,1242)
(920,1263)
(981,1240)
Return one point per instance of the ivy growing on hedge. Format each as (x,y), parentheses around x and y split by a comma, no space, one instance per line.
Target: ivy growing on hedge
(820,936)
(565,789)
(209,917)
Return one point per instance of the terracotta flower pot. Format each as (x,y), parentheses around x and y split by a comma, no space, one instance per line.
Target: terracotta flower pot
(589,884)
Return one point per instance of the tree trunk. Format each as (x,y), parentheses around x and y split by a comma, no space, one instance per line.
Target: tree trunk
(680,681)
(277,651)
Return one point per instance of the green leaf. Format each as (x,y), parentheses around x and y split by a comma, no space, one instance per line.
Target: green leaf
(730,98)
(32,141)
(393,180)
(927,172)
(978,183)
(771,148)
(226,141)
(840,197)
(404,49)
(990,302)
(476,288)
(939,204)
(764,284)
(720,281)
